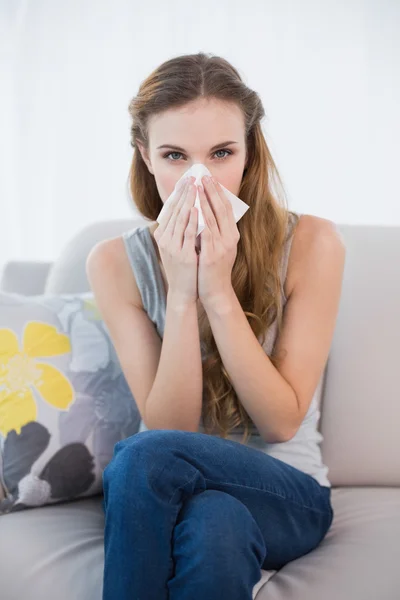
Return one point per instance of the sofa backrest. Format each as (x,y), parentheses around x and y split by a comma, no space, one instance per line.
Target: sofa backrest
(360,407)
(360,418)
(68,273)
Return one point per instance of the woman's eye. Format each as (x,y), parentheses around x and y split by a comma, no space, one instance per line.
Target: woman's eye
(168,155)
(227,153)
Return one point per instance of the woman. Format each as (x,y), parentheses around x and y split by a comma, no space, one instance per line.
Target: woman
(193,508)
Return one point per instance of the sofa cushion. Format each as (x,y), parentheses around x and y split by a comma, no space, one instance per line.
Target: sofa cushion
(57,552)
(54,552)
(357,560)
(68,273)
(64,400)
(26,277)
(360,413)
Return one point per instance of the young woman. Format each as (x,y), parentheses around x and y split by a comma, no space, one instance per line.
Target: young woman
(223,349)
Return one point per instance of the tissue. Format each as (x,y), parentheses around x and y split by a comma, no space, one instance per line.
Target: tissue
(198,170)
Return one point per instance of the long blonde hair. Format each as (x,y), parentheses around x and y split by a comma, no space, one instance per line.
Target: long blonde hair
(263,228)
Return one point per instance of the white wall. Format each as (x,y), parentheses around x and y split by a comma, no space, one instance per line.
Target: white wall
(327,72)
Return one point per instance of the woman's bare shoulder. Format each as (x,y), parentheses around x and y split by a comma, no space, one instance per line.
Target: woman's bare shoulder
(110,258)
(310,231)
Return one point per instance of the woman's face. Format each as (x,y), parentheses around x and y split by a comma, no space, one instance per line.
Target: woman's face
(199,130)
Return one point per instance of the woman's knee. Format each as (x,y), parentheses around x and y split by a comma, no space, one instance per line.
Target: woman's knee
(153,440)
(147,451)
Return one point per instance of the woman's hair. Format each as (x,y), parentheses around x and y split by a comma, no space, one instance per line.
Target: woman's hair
(263,228)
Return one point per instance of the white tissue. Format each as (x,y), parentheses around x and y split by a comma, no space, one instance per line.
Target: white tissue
(198,170)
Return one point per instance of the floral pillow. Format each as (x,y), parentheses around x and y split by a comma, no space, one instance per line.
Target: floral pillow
(64,400)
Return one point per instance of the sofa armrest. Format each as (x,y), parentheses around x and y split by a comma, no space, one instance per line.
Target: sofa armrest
(24,277)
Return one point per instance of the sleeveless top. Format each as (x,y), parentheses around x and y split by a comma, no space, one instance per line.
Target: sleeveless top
(303,450)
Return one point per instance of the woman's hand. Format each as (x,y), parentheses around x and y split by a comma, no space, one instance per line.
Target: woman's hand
(219,240)
(175,237)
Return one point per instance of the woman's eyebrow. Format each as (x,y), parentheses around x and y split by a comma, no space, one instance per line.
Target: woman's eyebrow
(182,149)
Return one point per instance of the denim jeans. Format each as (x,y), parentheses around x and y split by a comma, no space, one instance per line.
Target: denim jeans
(190,515)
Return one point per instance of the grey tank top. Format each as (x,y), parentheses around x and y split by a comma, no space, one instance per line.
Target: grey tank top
(303,450)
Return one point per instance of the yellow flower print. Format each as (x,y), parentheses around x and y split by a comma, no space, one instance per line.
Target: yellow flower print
(91,307)
(20,371)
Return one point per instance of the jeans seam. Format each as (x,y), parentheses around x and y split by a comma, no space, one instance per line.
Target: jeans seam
(182,486)
(323,512)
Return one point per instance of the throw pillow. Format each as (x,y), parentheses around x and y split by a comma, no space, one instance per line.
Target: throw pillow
(64,400)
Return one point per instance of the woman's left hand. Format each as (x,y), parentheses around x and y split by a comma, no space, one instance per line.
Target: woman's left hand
(219,240)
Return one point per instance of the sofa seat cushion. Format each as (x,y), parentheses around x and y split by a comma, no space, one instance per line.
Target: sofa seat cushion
(55,552)
(359,558)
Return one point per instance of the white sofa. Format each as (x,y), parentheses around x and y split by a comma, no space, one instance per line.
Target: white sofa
(56,552)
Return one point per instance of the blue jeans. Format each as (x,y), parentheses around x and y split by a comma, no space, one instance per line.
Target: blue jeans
(190,515)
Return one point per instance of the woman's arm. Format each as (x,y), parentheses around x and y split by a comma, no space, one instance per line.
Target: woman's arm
(175,400)
(278,400)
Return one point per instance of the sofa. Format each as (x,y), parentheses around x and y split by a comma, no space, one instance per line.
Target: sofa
(55,552)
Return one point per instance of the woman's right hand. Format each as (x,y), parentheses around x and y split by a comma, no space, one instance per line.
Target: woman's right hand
(176,237)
